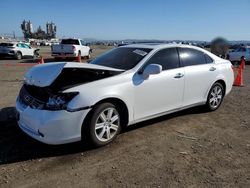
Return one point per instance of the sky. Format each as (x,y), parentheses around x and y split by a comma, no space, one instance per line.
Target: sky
(132,19)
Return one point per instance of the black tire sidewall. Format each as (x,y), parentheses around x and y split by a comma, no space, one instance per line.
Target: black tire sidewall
(90,127)
(18,55)
(209,107)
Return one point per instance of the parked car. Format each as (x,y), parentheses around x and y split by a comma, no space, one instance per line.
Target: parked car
(70,48)
(66,102)
(236,54)
(17,50)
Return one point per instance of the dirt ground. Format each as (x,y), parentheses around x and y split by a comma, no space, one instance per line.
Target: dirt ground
(191,148)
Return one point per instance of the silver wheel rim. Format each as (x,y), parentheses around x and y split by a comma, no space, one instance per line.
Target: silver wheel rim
(18,56)
(107,124)
(215,97)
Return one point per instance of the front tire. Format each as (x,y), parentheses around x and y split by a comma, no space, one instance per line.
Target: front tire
(18,55)
(215,97)
(35,54)
(79,54)
(104,124)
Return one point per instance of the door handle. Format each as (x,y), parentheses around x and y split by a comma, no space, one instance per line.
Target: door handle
(212,69)
(178,75)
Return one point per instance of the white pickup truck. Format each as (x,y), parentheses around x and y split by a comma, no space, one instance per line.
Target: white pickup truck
(70,48)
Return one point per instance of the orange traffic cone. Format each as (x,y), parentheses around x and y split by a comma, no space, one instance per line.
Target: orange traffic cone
(239,78)
(242,62)
(78,58)
(41,60)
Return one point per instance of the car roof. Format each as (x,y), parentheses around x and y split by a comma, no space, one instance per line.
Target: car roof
(158,45)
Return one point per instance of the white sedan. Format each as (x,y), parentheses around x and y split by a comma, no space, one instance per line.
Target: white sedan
(67,102)
(17,50)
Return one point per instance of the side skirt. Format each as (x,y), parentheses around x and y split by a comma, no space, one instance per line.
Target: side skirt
(165,113)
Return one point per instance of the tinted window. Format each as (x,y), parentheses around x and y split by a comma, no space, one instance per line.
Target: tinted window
(208,59)
(190,57)
(70,41)
(6,44)
(24,45)
(122,58)
(167,58)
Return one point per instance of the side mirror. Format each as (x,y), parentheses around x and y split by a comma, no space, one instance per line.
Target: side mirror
(151,69)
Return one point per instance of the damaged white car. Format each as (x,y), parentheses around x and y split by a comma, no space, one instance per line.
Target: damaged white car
(67,102)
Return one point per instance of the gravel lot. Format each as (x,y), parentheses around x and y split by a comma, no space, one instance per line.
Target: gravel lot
(191,148)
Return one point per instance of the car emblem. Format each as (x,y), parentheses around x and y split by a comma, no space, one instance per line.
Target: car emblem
(27,98)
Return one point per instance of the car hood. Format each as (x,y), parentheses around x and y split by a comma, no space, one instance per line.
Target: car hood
(44,75)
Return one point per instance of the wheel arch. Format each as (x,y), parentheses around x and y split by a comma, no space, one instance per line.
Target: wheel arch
(122,107)
(223,83)
(18,51)
(219,80)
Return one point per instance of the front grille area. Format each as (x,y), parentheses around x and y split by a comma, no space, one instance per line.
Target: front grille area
(28,100)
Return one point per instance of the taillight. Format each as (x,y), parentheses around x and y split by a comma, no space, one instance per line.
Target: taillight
(73,48)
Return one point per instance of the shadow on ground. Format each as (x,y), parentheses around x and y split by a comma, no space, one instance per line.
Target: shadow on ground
(16,146)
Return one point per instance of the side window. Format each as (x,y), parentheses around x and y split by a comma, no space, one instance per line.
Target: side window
(23,45)
(208,59)
(191,56)
(26,46)
(83,43)
(167,58)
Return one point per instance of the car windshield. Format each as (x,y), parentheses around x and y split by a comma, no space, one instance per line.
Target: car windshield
(122,58)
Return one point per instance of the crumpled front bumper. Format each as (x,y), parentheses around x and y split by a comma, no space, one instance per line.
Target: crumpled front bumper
(51,127)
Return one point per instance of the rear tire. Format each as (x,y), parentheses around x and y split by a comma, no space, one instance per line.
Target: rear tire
(18,55)
(79,54)
(215,97)
(104,125)
(35,54)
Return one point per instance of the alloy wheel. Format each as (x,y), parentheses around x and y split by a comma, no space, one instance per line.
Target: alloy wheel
(216,96)
(107,124)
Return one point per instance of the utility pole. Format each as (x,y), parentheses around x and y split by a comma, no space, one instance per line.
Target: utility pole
(14,34)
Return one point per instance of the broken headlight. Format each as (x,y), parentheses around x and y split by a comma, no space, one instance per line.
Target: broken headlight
(60,101)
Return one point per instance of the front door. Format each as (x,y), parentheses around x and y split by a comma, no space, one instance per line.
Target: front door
(161,92)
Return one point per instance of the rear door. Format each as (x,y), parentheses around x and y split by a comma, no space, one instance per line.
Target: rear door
(200,73)
(161,92)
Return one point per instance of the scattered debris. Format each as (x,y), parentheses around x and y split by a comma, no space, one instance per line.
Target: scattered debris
(187,137)
(183,153)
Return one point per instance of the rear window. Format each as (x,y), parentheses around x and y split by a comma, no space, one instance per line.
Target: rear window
(70,41)
(7,44)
